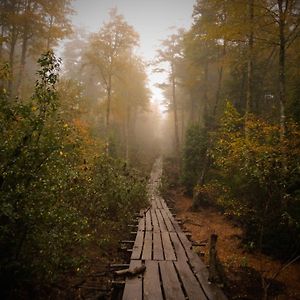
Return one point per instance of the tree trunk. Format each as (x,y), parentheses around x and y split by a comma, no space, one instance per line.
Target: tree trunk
(11,60)
(177,145)
(182,124)
(282,79)
(192,110)
(220,79)
(249,97)
(205,85)
(24,50)
(127,130)
(109,88)
(4,3)
(1,42)
(23,62)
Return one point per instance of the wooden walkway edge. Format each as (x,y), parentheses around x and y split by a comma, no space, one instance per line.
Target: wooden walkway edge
(173,270)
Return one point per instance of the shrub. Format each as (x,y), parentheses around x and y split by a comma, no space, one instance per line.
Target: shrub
(194,156)
(260,170)
(54,197)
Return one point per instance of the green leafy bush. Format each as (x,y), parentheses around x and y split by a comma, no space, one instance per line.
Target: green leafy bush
(115,193)
(194,156)
(57,193)
(38,225)
(262,173)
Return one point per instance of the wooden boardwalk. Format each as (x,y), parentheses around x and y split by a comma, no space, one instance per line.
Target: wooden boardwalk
(173,270)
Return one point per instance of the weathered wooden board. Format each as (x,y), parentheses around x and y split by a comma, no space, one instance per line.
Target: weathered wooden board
(152,286)
(134,286)
(141,225)
(211,290)
(167,246)
(171,284)
(153,204)
(163,203)
(179,250)
(138,245)
(174,222)
(158,203)
(167,220)
(148,220)
(147,250)
(190,283)
(154,220)
(161,222)
(158,253)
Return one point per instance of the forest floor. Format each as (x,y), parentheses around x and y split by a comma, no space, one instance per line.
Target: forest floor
(243,268)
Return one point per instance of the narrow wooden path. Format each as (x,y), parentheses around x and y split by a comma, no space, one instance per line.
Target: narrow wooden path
(173,270)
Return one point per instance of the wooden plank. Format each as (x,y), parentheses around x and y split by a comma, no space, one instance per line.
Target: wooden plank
(148,221)
(179,250)
(163,203)
(167,246)
(190,283)
(158,203)
(158,253)
(154,220)
(174,222)
(152,287)
(170,282)
(211,290)
(141,225)
(133,286)
(167,220)
(138,245)
(147,250)
(161,222)
(153,204)
(186,243)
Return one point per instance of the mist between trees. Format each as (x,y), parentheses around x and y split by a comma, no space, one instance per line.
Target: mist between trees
(76,144)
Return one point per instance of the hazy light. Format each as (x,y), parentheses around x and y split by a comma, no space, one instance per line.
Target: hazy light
(154,20)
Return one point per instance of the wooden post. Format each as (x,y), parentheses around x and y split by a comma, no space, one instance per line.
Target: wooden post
(213,260)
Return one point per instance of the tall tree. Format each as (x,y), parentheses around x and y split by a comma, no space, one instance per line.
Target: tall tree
(30,26)
(171,53)
(281,28)
(131,99)
(106,52)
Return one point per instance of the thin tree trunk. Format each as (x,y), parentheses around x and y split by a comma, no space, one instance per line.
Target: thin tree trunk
(109,88)
(24,50)
(282,78)
(1,41)
(4,3)
(220,79)
(182,124)
(192,110)
(249,97)
(127,130)
(23,62)
(177,145)
(205,86)
(12,61)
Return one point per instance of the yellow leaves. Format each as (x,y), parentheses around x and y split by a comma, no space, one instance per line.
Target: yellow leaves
(33,108)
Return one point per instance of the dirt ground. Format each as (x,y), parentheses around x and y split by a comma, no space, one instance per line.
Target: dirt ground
(243,269)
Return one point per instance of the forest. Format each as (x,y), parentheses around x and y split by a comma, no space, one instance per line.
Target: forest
(79,133)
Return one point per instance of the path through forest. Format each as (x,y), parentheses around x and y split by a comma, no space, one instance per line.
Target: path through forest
(172,269)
